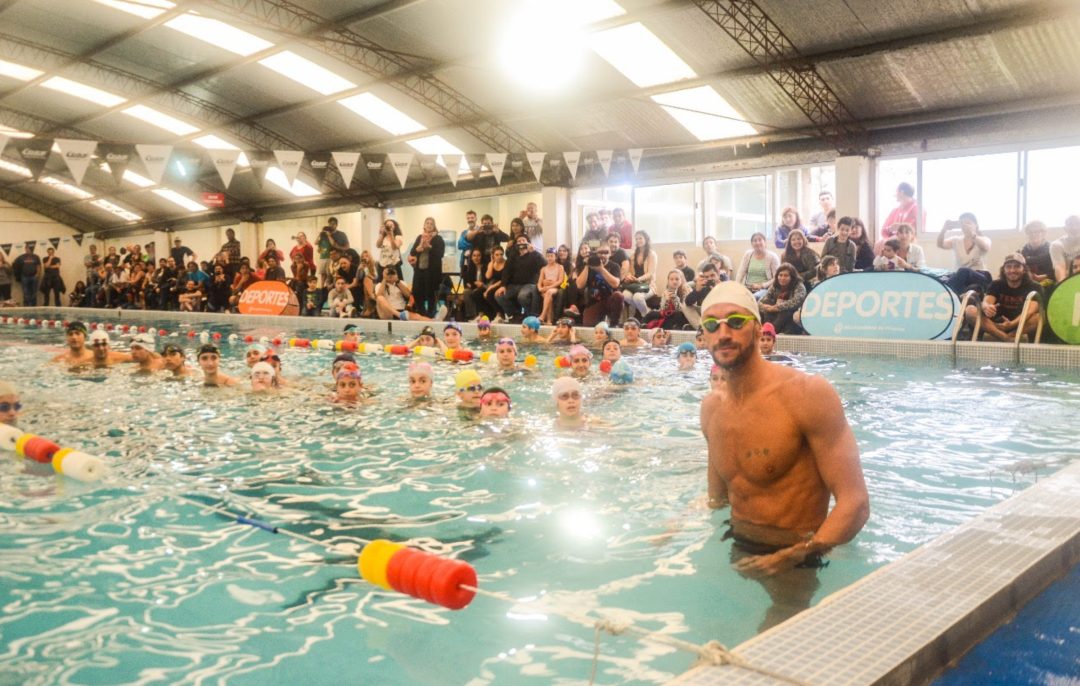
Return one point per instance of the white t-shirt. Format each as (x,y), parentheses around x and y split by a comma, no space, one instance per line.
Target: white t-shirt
(394,296)
(1062,252)
(964,258)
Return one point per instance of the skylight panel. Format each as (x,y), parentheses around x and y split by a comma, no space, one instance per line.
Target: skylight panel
(307,73)
(212,142)
(147,9)
(113,208)
(66,188)
(592,11)
(18,71)
(134,178)
(15,168)
(178,199)
(224,36)
(300,189)
(704,113)
(161,120)
(382,114)
(434,145)
(14,133)
(81,90)
(641,57)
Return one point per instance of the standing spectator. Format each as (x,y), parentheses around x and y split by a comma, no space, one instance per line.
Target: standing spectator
(820,220)
(218,290)
(231,246)
(92,262)
(28,268)
(271,250)
(389,245)
(488,237)
(7,277)
(789,221)
(464,245)
(180,252)
(605,220)
(111,257)
(783,299)
(517,228)
(52,282)
(800,255)
(1062,251)
(841,246)
(622,226)
(305,250)
(519,289)
(758,266)
(864,252)
(639,283)
(301,273)
(426,256)
(366,276)
(595,231)
(1037,253)
(905,212)
(534,227)
(473,286)
(1003,305)
(599,283)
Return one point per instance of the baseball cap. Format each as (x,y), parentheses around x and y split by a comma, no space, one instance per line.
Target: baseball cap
(1015,257)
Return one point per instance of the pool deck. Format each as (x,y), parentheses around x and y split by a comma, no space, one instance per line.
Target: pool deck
(908,621)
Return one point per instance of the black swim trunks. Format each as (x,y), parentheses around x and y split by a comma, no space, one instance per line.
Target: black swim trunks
(751,547)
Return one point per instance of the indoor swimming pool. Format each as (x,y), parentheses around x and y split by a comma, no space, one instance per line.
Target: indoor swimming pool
(131,580)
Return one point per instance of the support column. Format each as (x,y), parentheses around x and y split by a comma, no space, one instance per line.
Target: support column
(555,210)
(853,189)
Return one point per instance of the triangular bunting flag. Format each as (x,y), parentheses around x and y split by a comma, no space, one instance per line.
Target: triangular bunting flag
(225,163)
(155,159)
(374,163)
(604,157)
(319,164)
(34,153)
(536,161)
(78,239)
(475,163)
(635,157)
(497,163)
(289,161)
(55,242)
(572,159)
(6,247)
(401,161)
(118,157)
(260,163)
(76,154)
(346,165)
(453,167)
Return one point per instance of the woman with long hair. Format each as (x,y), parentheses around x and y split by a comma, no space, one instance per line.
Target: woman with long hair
(639,285)
(270,251)
(670,315)
(367,277)
(789,221)
(389,245)
(758,266)
(864,250)
(426,256)
(798,252)
(783,299)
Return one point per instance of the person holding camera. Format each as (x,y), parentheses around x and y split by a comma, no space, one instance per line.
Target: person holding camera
(486,238)
(599,281)
(707,277)
(389,245)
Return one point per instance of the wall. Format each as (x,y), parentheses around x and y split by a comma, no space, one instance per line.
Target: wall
(18,225)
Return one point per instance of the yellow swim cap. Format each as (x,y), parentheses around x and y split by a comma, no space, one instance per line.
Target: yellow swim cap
(466,378)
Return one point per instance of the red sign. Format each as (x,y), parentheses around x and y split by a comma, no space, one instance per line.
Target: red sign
(213,199)
(268,298)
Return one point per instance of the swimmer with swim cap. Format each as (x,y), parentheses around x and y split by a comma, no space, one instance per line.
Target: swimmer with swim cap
(427,338)
(351,333)
(262,377)
(175,361)
(77,353)
(530,330)
(494,404)
(506,354)
(421,379)
(483,328)
(103,355)
(601,333)
(660,338)
(779,482)
(580,360)
(349,383)
(686,355)
(254,353)
(10,406)
(452,337)
(209,358)
(767,341)
(567,393)
(142,352)
(632,334)
(563,332)
(469,387)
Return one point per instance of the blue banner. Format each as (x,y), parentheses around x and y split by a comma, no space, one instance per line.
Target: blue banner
(886,305)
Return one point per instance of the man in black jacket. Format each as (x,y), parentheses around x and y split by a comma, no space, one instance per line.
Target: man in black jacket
(519,281)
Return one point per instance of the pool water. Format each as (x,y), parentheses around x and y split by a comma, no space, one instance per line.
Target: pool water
(123,581)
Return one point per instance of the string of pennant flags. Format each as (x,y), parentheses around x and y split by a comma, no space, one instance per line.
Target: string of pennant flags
(78,155)
(54,242)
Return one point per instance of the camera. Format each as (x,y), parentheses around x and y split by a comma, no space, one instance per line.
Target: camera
(594,259)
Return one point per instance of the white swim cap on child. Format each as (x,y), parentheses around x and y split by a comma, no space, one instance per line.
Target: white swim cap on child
(264,367)
(732,293)
(564,384)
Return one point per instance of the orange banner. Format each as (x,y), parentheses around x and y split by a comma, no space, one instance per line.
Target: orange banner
(268,298)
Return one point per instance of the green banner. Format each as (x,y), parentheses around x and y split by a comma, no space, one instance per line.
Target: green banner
(1063,312)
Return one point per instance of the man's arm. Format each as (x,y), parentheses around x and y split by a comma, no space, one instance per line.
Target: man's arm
(582,278)
(718,497)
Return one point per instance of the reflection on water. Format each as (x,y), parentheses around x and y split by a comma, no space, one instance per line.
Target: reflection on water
(123,581)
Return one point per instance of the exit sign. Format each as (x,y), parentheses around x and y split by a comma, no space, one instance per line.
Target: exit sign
(213,199)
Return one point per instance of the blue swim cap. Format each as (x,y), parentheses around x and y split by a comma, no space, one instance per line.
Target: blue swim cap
(532,323)
(686,347)
(621,373)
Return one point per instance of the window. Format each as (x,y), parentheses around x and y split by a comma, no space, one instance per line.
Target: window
(736,208)
(985,185)
(890,174)
(799,188)
(666,213)
(1052,179)
(588,200)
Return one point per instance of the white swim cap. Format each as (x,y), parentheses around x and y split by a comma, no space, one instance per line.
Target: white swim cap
(142,340)
(99,335)
(564,384)
(264,367)
(732,293)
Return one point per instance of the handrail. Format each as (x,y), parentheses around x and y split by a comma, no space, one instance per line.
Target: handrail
(960,320)
(1023,319)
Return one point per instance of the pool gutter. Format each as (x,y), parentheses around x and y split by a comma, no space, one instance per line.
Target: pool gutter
(908,621)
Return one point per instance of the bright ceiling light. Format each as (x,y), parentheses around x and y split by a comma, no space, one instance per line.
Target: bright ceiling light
(113,208)
(434,145)
(704,113)
(66,187)
(15,168)
(147,9)
(133,178)
(382,114)
(300,189)
(219,33)
(641,57)
(81,90)
(161,120)
(307,73)
(14,133)
(18,71)
(553,67)
(178,199)
(212,142)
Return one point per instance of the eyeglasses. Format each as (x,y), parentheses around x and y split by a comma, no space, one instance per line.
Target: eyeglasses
(576,395)
(476,388)
(8,407)
(734,322)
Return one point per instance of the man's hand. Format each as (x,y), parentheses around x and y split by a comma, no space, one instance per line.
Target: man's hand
(500,292)
(757,566)
(989,309)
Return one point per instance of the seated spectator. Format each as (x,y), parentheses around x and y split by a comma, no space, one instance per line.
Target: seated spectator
(905,212)
(77,297)
(1065,249)
(473,286)
(708,244)
(191,297)
(680,263)
(549,284)
(341,300)
(519,297)
(758,266)
(244,279)
(888,260)
(393,298)
(638,282)
(783,299)
(1001,308)
(819,223)
(218,291)
(568,301)
(800,255)
(599,283)
(909,250)
(864,252)
(969,248)
(706,278)
(825,231)
(789,221)
(827,268)
(841,246)
(725,271)
(1037,253)
(274,271)
(672,298)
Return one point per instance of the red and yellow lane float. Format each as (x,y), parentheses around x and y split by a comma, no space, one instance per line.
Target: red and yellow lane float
(438,580)
(67,461)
